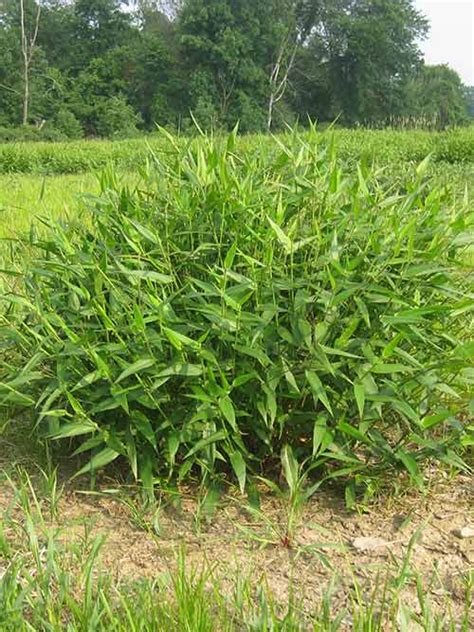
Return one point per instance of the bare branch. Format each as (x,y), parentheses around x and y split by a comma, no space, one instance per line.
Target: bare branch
(279,85)
(5,87)
(35,33)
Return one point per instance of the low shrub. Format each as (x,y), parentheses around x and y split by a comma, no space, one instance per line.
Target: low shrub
(25,133)
(237,302)
(114,117)
(66,123)
(31,133)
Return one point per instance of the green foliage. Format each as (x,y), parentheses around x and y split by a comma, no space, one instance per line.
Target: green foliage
(469,97)
(250,116)
(205,115)
(15,134)
(31,133)
(114,117)
(358,61)
(240,301)
(362,56)
(436,95)
(456,146)
(381,146)
(67,123)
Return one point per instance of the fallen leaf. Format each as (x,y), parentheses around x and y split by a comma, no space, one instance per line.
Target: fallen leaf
(369,544)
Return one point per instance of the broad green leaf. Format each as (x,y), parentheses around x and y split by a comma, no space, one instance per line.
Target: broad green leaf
(147,275)
(359,393)
(215,437)
(239,467)
(284,240)
(18,399)
(290,468)
(144,231)
(184,370)
(411,465)
(390,368)
(229,258)
(211,501)
(318,390)
(177,339)
(136,367)
(54,412)
(290,378)
(405,409)
(87,380)
(146,463)
(74,429)
(350,495)
(254,352)
(89,444)
(320,433)
(352,432)
(227,408)
(434,420)
(172,443)
(271,403)
(143,425)
(422,168)
(104,457)
(448,390)
(392,345)
(363,310)
(240,380)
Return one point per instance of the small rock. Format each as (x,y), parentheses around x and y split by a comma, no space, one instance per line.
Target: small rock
(368,544)
(465,532)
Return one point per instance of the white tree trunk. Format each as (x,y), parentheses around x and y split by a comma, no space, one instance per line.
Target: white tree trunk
(279,76)
(27,50)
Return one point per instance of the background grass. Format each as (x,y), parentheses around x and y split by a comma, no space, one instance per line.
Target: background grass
(454,146)
(25,197)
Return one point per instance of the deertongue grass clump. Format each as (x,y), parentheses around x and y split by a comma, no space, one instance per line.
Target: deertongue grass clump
(238,303)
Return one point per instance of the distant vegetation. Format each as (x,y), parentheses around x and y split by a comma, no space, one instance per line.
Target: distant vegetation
(91,68)
(382,146)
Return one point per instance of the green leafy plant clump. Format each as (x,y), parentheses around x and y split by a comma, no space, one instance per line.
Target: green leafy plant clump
(239,303)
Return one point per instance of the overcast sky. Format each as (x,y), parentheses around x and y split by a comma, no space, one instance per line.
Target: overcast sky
(451,37)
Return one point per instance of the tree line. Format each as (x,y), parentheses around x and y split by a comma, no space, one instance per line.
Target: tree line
(109,68)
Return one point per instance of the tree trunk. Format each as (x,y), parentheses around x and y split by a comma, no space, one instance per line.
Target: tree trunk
(26,94)
(278,83)
(27,50)
(271,103)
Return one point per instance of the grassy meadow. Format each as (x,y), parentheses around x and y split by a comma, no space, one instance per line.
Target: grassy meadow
(236,382)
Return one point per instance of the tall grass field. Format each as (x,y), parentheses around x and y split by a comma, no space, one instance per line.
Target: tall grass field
(232,315)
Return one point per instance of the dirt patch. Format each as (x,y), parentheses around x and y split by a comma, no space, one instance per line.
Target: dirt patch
(396,539)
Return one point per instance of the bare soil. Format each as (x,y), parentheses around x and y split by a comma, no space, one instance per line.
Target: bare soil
(424,528)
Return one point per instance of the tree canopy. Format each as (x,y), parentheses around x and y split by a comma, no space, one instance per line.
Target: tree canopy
(105,67)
